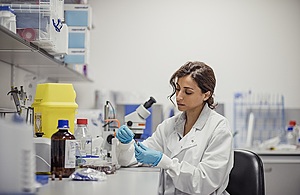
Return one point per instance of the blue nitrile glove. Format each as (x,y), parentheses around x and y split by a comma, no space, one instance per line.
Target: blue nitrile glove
(124,134)
(146,155)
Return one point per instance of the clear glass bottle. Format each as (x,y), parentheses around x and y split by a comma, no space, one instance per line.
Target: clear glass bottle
(63,148)
(83,138)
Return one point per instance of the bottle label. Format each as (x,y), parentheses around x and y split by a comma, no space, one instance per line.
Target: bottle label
(38,123)
(70,153)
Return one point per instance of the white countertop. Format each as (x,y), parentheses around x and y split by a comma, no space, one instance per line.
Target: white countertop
(278,152)
(281,152)
(138,180)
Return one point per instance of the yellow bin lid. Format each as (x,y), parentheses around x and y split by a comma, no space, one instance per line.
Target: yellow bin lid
(55,95)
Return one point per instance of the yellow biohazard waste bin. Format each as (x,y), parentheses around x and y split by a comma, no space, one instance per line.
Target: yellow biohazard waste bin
(53,101)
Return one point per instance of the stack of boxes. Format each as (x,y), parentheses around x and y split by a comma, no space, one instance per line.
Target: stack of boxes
(78,20)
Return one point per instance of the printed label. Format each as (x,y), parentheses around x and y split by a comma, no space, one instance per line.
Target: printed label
(70,153)
(38,123)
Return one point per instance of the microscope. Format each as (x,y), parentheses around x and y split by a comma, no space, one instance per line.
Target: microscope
(136,120)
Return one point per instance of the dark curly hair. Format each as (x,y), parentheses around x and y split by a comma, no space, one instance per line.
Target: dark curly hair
(202,74)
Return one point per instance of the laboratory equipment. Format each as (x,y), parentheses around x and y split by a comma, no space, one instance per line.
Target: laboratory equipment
(114,158)
(63,151)
(53,101)
(19,97)
(97,145)
(43,150)
(20,100)
(42,22)
(17,157)
(8,18)
(257,117)
(111,124)
(292,133)
(290,138)
(83,138)
(136,120)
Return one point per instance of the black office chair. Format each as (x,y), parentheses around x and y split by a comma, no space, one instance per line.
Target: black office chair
(247,174)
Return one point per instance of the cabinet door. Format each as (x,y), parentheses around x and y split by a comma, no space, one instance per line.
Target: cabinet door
(282,178)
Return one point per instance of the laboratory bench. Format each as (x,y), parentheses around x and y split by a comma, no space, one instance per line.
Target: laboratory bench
(137,180)
(282,171)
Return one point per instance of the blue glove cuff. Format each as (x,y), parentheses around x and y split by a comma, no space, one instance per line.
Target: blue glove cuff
(158,159)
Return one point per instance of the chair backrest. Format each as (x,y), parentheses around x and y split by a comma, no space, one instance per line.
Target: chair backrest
(247,174)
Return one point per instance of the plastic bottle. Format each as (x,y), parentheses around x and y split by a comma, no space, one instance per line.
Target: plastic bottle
(83,138)
(63,148)
(297,133)
(291,136)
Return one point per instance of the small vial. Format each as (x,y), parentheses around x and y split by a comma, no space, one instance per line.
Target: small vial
(60,175)
(53,177)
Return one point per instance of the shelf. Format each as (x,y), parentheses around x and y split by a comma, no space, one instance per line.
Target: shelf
(16,51)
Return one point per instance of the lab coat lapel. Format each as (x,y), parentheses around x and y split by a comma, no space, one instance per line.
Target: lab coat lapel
(187,142)
(176,146)
(173,141)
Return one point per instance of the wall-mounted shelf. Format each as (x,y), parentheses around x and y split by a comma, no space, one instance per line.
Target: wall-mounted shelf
(27,56)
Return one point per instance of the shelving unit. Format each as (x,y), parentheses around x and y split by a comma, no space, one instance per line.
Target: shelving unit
(29,57)
(267,111)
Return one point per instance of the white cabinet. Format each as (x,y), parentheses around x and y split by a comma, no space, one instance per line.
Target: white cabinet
(282,172)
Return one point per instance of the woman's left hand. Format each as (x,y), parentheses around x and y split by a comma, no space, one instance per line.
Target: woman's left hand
(146,155)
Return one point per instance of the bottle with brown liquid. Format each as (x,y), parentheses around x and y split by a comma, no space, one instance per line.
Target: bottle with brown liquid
(63,151)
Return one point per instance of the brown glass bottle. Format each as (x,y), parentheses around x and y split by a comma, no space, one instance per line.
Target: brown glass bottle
(63,148)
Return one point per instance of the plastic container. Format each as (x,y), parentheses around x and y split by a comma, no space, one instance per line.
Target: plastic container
(291,134)
(17,157)
(53,101)
(77,56)
(43,156)
(41,22)
(290,138)
(84,138)
(78,15)
(78,37)
(8,18)
(63,148)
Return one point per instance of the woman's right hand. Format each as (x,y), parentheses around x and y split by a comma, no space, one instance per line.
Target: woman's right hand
(124,134)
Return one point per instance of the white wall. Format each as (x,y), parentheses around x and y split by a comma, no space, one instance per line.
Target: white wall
(137,44)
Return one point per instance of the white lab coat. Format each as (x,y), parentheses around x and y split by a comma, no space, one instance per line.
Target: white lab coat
(198,163)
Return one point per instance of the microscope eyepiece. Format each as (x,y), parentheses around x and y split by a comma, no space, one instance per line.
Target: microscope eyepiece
(149,103)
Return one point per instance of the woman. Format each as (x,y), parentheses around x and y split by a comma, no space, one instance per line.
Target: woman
(194,148)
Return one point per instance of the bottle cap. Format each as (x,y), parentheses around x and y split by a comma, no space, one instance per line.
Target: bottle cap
(292,123)
(63,124)
(82,121)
